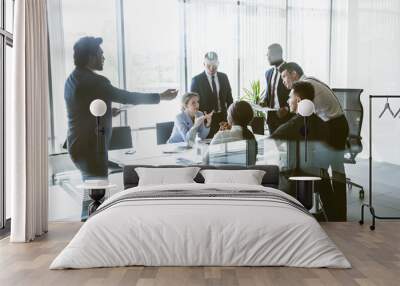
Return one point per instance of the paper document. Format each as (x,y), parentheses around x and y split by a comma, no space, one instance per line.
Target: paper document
(262,109)
(173,148)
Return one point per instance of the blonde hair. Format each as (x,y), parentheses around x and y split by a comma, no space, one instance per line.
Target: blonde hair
(187,97)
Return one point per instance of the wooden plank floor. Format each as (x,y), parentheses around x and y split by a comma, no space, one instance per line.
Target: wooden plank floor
(375,257)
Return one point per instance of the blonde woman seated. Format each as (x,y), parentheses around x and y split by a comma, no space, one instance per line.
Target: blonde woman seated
(190,121)
(240,114)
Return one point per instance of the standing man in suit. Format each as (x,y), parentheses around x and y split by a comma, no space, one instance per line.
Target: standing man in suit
(276,95)
(81,88)
(214,90)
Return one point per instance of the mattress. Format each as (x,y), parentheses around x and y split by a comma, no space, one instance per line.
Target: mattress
(201,225)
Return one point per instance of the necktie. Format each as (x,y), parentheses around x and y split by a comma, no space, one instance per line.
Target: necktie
(273,87)
(215,93)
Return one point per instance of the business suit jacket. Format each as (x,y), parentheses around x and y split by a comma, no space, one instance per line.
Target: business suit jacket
(201,85)
(282,91)
(182,129)
(81,88)
(273,120)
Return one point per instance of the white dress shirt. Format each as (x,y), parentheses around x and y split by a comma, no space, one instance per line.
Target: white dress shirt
(276,75)
(217,85)
(234,134)
(326,104)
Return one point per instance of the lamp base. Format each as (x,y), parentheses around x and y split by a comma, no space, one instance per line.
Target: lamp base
(96,195)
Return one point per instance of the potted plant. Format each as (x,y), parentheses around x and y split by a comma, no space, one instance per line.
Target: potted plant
(255,95)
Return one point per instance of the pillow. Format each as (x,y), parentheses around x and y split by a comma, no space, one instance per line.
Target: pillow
(166,176)
(248,177)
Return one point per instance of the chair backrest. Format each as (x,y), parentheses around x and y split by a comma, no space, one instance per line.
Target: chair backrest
(163,131)
(354,113)
(60,165)
(121,138)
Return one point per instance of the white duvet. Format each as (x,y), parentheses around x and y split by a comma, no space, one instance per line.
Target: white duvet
(193,231)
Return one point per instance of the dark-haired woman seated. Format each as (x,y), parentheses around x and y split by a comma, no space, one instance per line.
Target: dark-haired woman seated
(240,114)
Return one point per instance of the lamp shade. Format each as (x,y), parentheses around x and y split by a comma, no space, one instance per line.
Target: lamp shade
(305,107)
(98,107)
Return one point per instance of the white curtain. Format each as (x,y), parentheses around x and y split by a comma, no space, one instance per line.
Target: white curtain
(213,26)
(261,24)
(27,117)
(308,36)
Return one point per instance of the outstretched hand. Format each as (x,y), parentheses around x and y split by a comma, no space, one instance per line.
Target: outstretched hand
(169,94)
(198,121)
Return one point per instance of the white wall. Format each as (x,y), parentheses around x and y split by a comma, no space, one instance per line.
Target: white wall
(366,54)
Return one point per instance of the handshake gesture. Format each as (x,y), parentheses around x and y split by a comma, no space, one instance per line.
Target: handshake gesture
(224,126)
(206,118)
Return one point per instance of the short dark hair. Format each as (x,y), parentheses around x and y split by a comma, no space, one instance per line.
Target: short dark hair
(276,46)
(85,47)
(290,67)
(304,90)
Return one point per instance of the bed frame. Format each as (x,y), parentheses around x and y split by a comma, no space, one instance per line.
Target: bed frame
(270,179)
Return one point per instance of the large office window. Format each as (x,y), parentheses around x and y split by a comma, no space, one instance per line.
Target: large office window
(157,44)
(69,21)
(153,45)
(212,26)
(6,42)
(261,24)
(309,36)
(153,56)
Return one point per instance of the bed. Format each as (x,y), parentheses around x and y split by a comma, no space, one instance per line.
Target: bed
(198,224)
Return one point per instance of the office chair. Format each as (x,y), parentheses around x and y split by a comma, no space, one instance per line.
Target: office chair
(353,111)
(61,168)
(163,131)
(121,138)
(257,125)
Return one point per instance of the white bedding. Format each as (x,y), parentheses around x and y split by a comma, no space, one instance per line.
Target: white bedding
(200,231)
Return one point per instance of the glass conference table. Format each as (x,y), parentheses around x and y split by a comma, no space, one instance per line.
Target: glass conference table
(270,152)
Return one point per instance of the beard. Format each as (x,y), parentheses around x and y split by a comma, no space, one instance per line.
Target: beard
(99,66)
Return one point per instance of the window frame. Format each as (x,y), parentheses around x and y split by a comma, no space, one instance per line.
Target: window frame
(6,39)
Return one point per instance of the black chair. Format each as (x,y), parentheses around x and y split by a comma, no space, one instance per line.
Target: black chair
(61,169)
(163,131)
(121,138)
(353,110)
(257,124)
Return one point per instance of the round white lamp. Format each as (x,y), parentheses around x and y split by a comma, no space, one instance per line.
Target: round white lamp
(98,107)
(305,108)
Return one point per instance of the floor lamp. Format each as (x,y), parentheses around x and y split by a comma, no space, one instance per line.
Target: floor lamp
(98,108)
(305,108)
(97,188)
